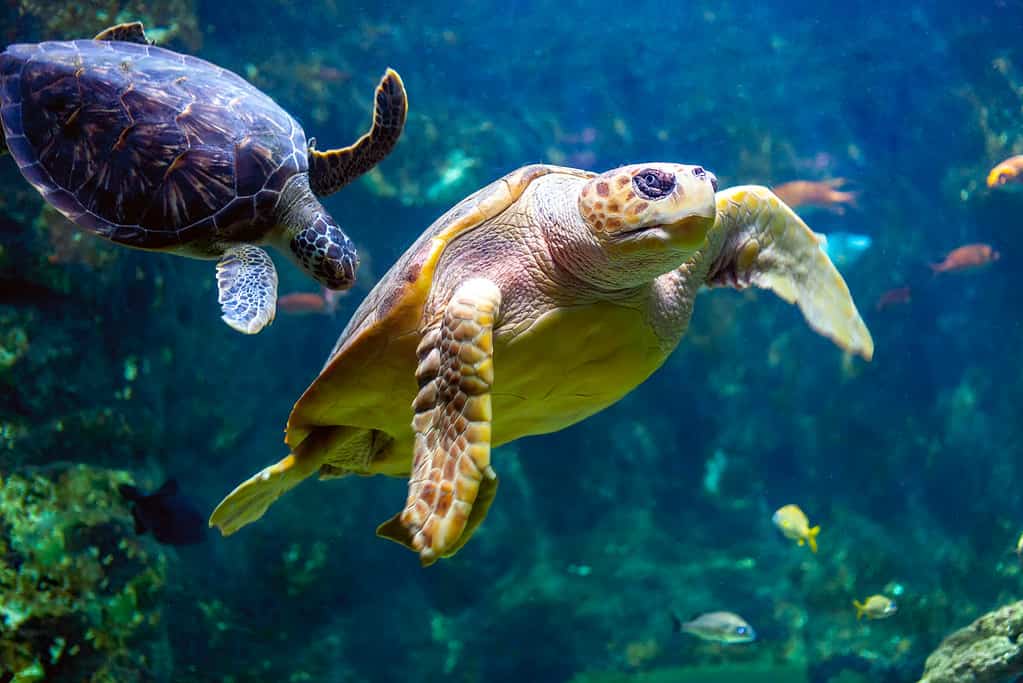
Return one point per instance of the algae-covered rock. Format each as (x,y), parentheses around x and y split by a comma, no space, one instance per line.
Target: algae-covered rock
(989,650)
(79,593)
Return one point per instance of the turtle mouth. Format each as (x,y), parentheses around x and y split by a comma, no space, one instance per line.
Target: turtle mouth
(689,231)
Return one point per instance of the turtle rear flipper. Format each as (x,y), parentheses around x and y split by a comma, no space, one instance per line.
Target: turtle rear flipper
(331,170)
(250,499)
(247,281)
(131,32)
(767,245)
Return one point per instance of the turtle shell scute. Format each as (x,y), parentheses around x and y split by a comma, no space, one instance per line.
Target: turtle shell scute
(146,146)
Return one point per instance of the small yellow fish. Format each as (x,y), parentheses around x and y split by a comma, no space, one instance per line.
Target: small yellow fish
(1019,548)
(792,522)
(875,607)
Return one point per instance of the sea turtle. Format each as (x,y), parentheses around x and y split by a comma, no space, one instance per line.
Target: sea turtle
(162,151)
(534,303)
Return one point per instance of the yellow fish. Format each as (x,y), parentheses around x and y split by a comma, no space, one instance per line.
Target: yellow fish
(792,522)
(875,607)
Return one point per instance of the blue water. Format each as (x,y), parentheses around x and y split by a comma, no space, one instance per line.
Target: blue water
(662,503)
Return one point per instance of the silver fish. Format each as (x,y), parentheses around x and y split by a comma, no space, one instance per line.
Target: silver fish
(718,627)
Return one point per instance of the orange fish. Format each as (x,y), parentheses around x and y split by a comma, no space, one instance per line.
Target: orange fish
(302,303)
(966,257)
(824,194)
(1009,171)
(894,297)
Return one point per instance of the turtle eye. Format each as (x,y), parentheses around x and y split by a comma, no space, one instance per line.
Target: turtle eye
(653,183)
(740,630)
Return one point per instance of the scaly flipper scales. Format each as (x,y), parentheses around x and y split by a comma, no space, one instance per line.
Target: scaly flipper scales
(247,281)
(331,170)
(131,32)
(451,459)
(394,530)
(764,243)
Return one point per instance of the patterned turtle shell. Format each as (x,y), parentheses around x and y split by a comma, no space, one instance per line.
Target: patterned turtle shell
(147,147)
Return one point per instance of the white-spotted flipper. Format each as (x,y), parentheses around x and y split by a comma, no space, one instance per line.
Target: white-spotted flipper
(247,281)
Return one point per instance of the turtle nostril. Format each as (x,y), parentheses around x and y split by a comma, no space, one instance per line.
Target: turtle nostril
(713,181)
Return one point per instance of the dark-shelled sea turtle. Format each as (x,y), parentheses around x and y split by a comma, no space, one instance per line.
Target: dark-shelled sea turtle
(162,151)
(534,303)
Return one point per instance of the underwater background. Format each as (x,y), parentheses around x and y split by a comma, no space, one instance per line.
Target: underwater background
(115,367)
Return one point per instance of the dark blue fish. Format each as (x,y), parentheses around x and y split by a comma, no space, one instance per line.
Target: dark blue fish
(173,518)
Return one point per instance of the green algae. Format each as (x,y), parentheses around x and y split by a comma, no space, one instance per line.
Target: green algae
(13,345)
(79,593)
(702,674)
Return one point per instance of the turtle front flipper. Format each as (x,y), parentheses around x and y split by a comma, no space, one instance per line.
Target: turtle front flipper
(764,243)
(451,459)
(394,529)
(247,281)
(131,32)
(331,170)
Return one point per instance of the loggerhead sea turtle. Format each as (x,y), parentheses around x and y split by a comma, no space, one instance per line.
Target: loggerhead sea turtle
(166,152)
(534,303)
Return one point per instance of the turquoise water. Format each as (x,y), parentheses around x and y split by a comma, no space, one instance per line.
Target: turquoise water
(660,504)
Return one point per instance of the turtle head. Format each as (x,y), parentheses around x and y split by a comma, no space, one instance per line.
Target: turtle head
(326,252)
(314,241)
(649,218)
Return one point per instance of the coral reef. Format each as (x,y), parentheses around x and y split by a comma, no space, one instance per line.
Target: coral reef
(80,596)
(989,650)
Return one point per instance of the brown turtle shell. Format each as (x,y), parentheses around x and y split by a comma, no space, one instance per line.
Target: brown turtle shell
(147,147)
(375,355)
